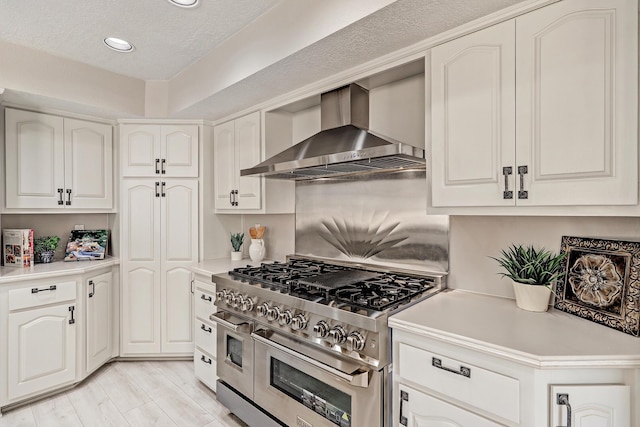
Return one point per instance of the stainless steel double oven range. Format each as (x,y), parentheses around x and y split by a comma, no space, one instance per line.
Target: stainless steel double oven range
(306,342)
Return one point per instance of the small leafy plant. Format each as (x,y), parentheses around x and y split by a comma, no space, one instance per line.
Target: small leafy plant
(525,264)
(44,244)
(237,239)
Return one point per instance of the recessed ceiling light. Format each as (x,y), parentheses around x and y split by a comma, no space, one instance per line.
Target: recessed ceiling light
(118,44)
(185,3)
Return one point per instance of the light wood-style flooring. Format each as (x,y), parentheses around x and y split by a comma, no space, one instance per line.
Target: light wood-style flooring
(150,393)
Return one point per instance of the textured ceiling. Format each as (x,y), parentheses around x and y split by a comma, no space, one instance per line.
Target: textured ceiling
(168,39)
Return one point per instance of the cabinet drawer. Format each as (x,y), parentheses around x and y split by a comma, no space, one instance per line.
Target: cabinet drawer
(41,294)
(204,303)
(483,389)
(205,368)
(205,336)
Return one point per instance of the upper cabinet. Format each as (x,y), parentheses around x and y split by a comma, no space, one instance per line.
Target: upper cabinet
(538,111)
(236,146)
(57,163)
(152,150)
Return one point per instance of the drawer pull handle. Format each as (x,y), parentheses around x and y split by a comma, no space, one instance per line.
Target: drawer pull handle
(157,166)
(60,192)
(522,171)
(162,162)
(563,399)
(204,359)
(36,290)
(506,171)
(464,371)
(93,290)
(404,397)
(72,310)
(204,328)
(68,202)
(206,298)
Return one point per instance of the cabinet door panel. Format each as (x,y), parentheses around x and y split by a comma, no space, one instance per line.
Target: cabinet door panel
(140,146)
(42,350)
(247,154)
(592,405)
(224,164)
(573,108)
(88,164)
(99,309)
(34,159)
(472,105)
(177,318)
(180,150)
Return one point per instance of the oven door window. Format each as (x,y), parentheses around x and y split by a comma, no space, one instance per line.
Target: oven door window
(322,398)
(234,351)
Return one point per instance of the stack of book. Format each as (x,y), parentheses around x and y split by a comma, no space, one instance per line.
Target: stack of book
(18,247)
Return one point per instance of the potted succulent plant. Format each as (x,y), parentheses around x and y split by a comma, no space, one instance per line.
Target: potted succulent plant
(533,273)
(237,239)
(45,247)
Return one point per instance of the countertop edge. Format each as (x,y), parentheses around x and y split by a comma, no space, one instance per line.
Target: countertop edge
(53,270)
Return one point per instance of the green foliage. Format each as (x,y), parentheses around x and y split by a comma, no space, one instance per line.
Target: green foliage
(237,239)
(527,265)
(46,243)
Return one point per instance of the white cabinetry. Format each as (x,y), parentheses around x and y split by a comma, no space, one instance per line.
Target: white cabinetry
(204,358)
(159,241)
(591,405)
(99,309)
(150,150)
(57,163)
(573,137)
(41,338)
(236,146)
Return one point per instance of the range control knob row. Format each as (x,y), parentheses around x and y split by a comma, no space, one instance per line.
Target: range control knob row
(355,341)
(285,318)
(298,322)
(273,314)
(263,309)
(229,297)
(337,334)
(247,304)
(321,329)
(220,295)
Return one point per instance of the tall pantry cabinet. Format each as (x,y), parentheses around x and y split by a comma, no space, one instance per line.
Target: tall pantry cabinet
(159,238)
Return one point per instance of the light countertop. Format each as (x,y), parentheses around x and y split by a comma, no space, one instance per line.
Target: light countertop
(222,265)
(53,269)
(497,327)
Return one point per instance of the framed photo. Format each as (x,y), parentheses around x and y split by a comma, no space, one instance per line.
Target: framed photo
(86,245)
(602,282)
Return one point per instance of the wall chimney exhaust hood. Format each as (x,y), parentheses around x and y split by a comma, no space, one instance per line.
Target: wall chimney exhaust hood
(344,146)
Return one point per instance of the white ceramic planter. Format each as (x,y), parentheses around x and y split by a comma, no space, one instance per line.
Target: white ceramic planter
(530,297)
(236,256)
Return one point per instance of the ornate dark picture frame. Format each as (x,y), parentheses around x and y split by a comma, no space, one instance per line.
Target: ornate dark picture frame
(602,282)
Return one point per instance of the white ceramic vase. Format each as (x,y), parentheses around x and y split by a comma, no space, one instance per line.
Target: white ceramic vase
(256,250)
(531,297)
(236,255)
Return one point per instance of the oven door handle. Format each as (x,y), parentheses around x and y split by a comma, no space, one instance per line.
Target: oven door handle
(359,379)
(220,318)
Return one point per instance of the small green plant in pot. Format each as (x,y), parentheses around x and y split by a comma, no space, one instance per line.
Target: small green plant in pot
(45,247)
(533,273)
(237,239)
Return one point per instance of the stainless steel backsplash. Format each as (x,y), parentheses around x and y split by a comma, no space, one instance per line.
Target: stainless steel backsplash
(376,219)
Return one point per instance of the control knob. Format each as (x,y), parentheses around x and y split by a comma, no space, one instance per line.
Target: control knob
(220,295)
(321,329)
(236,301)
(355,341)
(229,297)
(298,322)
(263,309)
(285,318)
(247,304)
(338,334)
(273,314)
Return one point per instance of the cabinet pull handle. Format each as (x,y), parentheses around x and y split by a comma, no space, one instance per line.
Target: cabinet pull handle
(60,192)
(464,371)
(72,320)
(162,168)
(235,197)
(36,290)
(231,198)
(93,288)
(206,298)
(204,359)
(157,166)
(163,185)
(157,189)
(404,397)
(68,197)
(522,171)
(204,328)
(563,399)
(506,171)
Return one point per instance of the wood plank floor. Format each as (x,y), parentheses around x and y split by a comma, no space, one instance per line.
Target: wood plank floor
(129,394)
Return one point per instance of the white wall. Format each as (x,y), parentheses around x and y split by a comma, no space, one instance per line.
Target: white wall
(474,238)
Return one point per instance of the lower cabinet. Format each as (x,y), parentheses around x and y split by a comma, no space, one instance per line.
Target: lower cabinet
(204,357)
(590,405)
(99,308)
(42,333)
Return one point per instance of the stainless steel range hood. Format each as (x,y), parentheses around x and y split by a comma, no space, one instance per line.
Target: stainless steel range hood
(344,146)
